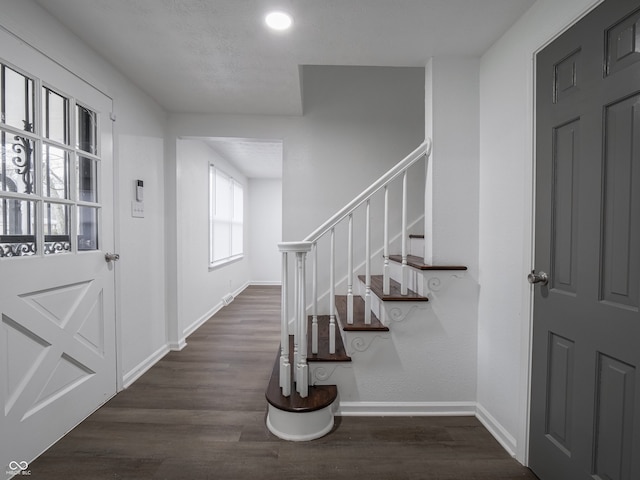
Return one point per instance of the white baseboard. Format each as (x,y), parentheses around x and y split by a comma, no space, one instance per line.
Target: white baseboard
(241,289)
(143,366)
(152,359)
(416,409)
(198,323)
(500,433)
(176,347)
(406,409)
(263,283)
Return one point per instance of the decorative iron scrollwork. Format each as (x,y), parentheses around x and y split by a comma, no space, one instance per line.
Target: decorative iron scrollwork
(434,284)
(17,249)
(322,374)
(56,247)
(22,159)
(359,344)
(398,314)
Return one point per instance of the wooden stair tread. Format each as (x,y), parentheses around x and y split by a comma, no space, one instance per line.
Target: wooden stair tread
(358,316)
(320,396)
(323,354)
(394,292)
(418,262)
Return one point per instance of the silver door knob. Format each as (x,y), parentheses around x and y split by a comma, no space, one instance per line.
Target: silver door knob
(111,257)
(539,277)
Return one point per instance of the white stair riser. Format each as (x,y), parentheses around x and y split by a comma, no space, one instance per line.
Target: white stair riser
(416,247)
(415,279)
(300,427)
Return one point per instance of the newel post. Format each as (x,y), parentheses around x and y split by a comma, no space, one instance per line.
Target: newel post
(294,290)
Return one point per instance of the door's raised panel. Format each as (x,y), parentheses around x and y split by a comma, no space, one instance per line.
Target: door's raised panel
(58,304)
(22,355)
(565,76)
(564,260)
(623,43)
(67,375)
(91,331)
(615,411)
(560,392)
(55,342)
(621,257)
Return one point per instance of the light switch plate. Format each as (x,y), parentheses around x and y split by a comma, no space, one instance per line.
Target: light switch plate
(137,209)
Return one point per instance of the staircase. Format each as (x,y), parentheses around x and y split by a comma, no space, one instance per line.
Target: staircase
(321,354)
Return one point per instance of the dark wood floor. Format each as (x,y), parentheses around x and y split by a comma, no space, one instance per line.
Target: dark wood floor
(200,414)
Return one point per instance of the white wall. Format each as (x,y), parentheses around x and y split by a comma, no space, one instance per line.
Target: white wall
(452,110)
(359,122)
(265,230)
(138,153)
(141,264)
(201,288)
(451,223)
(506,192)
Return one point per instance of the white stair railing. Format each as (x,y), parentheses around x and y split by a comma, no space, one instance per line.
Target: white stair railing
(296,291)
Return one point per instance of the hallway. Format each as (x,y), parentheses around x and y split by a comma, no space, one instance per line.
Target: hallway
(200,414)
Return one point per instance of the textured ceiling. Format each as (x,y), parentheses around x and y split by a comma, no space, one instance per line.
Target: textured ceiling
(216,56)
(203,56)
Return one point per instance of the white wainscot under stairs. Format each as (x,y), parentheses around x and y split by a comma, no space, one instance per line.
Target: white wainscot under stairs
(399,343)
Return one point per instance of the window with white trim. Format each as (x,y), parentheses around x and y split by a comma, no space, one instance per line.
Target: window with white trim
(49,169)
(226,203)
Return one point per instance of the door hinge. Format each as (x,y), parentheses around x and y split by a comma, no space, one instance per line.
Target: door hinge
(112,116)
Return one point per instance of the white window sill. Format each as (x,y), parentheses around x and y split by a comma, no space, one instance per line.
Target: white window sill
(225,261)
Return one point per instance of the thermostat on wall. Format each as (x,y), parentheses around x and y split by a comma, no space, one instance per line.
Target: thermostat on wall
(137,205)
(139,192)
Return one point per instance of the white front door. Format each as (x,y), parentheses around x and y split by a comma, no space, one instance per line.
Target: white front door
(57,307)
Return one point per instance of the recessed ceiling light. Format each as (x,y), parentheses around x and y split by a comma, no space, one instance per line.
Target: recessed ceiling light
(278,20)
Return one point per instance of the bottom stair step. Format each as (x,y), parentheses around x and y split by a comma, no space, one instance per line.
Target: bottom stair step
(320,396)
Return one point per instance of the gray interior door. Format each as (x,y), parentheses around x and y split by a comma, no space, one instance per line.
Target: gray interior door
(585,400)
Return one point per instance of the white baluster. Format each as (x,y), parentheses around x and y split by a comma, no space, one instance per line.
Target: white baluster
(314,293)
(332,294)
(405,267)
(296,318)
(285,366)
(386,274)
(367,267)
(302,382)
(350,272)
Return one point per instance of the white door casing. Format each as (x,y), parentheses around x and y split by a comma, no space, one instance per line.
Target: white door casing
(57,311)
